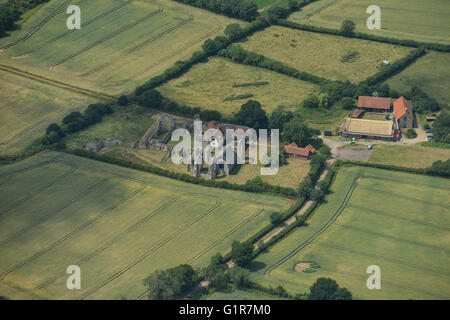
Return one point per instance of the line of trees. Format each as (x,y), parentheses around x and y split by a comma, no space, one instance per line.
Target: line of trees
(11,11)
(242,9)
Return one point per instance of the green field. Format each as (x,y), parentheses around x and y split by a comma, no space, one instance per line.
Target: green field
(322,54)
(118,225)
(416,156)
(121,43)
(28,107)
(431,73)
(206,86)
(418,20)
(397,221)
(238,295)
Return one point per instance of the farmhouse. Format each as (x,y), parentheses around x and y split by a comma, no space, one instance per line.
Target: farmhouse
(294,151)
(374,104)
(370,129)
(403,113)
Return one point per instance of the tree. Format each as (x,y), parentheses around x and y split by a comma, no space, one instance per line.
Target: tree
(279,117)
(328,289)
(240,277)
(317,195)
(347,103)
(252,115)
(293,5)
(151,98)
(441,127)
(122,101)
(241,253)
(53,127)
(348,28)
(276,218)
(234,31)
(411,133)
(171,283)
(312,101)
(296,130)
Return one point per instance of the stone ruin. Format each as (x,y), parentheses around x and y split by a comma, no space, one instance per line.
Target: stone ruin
(96,147)
(157,140)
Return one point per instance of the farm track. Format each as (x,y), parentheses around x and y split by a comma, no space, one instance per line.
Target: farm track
(114,239)
(138,47)
(330,221)
(170,56)
(30,195)
(78,229)
(56,83)
(152,250)
(410,220)
(270,5)
(53,212)
(68,32)
(385,258)
(106,38)
(309,15)
(38,26)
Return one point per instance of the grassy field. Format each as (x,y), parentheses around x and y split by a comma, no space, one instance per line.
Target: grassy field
(322,54)
(416,156)
(206,85)
(397,221)
(418,20)
(28,107)
(121,44)
(118,225)
(431,73)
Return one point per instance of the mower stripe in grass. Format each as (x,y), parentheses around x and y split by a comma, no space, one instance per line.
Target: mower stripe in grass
(138,47)
(106,38)
(78,229)
(68,32)
(117,237)
(30,195)
(152,250)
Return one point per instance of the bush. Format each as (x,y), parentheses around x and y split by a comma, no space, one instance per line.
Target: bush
(276,218)
(348,28)
(122,101)
(411,133)
(327,133)
(241,253)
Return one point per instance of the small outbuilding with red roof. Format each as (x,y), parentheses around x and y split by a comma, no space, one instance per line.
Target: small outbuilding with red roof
(294,151)
(403,112)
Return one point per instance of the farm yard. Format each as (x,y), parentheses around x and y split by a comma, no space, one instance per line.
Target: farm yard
(425,21)
(397,221)
(120,45)
(224,86)
(331,57)
(58,210)
(431,73)
(28,107)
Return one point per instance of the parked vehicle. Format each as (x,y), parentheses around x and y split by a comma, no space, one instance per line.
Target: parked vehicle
(430,138)
(370,147)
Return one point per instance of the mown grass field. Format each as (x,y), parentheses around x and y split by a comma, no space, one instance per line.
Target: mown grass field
(321,54)
(27,107)
(418,20)
(238,295)
(430,73)
(121,44)
(416,156)
(206,86)
(397,221)
(118,225)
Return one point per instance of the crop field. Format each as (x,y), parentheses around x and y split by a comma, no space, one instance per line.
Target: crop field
(121,43)
(324,55)
(418,20)
(117,224)
(238,295)
(416,156)
(430,73)
(224,86)
(397,221)
(27,107)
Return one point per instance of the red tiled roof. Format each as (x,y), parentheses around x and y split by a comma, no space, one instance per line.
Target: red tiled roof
(296,150)
(431,118)
(402,107)
(374,102)
(310,148)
